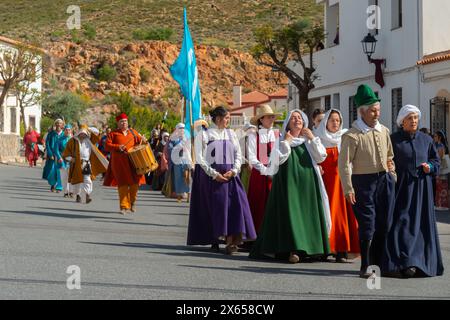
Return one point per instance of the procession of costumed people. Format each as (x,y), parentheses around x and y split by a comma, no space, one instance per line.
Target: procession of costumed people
(293,194)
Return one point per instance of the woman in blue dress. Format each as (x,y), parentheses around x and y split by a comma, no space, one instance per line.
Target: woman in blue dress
(63,165)
(412,242)
(51,169)
(180,163)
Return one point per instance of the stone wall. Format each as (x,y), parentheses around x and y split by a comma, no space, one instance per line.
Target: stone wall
(9,148)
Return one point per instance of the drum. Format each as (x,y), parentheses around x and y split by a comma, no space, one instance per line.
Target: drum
(143,159)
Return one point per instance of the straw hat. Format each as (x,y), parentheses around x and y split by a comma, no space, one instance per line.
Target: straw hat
(84,129)
(201,122)
(264,110)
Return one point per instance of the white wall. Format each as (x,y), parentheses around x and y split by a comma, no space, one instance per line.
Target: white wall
(436,24)
(10,102)
(278,105)
(409,82)
(435,81)
(347,61)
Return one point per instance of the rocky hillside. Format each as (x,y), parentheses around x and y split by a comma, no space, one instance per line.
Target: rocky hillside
(224,23)
(142,69)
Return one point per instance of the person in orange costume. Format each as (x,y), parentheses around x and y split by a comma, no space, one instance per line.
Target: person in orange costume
(344,230)
(121,172)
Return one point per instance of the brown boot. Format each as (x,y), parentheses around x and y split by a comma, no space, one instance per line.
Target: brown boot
(293,258)
(231,249)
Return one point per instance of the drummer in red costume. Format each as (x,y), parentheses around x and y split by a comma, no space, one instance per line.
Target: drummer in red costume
(121,171)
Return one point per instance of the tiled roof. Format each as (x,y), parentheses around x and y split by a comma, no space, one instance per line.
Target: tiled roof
(282,93)
(435,57)
(254,97)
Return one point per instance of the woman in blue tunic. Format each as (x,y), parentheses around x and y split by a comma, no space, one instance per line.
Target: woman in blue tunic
(219,210)
(413,243)
(51,169)
(63,165)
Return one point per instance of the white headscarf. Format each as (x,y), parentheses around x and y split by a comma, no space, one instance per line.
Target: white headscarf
(300,140)
(330,140)
(405,112)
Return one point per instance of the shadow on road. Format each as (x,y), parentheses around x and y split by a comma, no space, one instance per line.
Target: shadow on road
(147,224)
(59,215)
(26,188)
(45,199)
(80,210)
(291,271)
(204,252)
(443,217)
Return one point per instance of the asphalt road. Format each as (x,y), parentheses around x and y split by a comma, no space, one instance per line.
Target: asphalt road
(144,256)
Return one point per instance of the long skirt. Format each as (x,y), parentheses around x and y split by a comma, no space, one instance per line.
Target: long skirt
(258,193)
(294,219)
(413,239)
(218,210)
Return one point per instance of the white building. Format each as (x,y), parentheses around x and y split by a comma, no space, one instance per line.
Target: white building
(11,110)
(414,41)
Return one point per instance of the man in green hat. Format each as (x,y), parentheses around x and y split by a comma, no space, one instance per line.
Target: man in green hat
(368,176)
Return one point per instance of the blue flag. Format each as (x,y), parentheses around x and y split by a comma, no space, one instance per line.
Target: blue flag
(184,71)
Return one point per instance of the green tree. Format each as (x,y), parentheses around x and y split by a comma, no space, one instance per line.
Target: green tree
(18,66)
(276,48)
(66,105)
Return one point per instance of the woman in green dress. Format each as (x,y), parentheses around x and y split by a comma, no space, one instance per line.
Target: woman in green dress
(297,220)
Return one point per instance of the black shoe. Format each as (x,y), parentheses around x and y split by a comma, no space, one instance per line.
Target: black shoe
(66,195)
(363,273)
(215,248)
(78,198)
(70,195)
(409,272)
(88,199)
(365,256)
(341,257)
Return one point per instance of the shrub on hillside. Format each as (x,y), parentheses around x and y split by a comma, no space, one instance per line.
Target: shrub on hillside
(89,31)
(144,74)
(163,34)
(106,73)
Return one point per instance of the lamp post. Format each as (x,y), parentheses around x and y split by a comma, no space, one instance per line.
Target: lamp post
(369,44)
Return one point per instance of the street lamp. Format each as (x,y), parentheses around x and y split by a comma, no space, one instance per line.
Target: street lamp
(369,44)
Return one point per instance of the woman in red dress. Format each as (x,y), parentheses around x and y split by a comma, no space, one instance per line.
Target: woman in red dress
(344,227)
(30,140)
(260,144)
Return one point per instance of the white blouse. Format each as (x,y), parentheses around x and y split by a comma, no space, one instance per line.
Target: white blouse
(216,134)
(266,136)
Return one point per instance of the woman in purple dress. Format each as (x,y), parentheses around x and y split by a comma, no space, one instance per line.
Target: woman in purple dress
(219,210)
